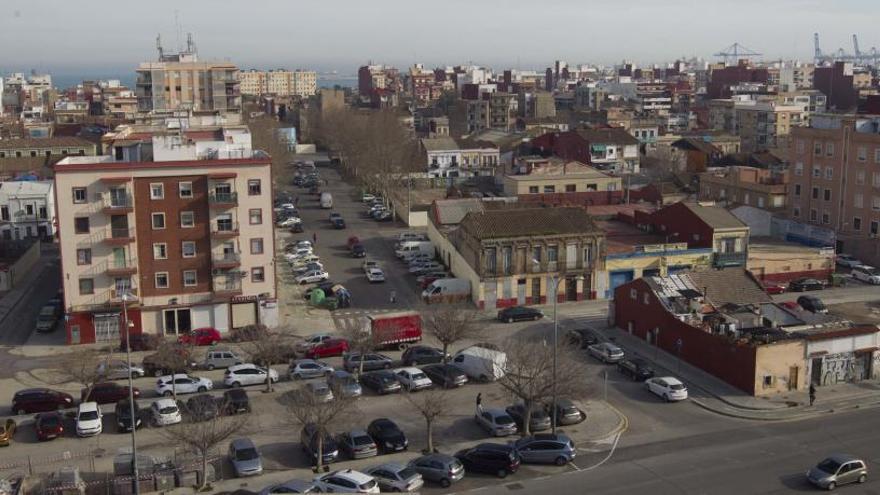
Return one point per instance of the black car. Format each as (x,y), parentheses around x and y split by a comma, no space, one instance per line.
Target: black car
(492,458)
(635,368)
(582,337)
(123,416)
(805,284)
(338,223)
(445,375)
(296,228)
(382,382)
(298,180)
(202,407)
(358,251)
(308,437)
(812,304)
(421,354)
(519,313)
(236,401)
(387,435)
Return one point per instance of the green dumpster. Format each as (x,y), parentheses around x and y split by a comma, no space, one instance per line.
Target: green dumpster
(331,303)
(317,297)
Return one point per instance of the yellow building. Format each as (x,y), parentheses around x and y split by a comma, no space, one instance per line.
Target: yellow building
(554,180)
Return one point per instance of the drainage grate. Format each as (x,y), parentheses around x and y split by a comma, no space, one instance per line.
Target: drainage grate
(514,486)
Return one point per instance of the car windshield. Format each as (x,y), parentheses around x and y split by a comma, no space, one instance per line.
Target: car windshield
(247,454)
(504,420)
(168,410)
(407,473)
(677,386)
(88,415)
(829,466)
(362,440)
(419,376)
(368,485)
(51,421)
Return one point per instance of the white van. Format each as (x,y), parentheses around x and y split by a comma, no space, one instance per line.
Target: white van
(326,200)
(410,236)
(447,290)
(480,363)
(409,248)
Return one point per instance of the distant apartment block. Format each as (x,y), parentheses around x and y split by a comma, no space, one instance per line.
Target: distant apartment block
(555,181)
(751,186)
(448,157)
(278,83)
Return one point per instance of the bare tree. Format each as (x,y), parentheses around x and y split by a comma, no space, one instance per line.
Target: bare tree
(360,340)
(528,374)
(174,357)
(265,350)
(451,324)
(304,408)
(202,437)
(81,366)
(432,404)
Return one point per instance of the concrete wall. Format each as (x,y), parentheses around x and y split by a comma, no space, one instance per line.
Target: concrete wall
(14,273)
(777,364)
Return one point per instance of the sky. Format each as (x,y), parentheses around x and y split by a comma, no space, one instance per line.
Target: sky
(109,37)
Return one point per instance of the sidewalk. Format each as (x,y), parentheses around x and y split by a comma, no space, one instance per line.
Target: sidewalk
(717,396)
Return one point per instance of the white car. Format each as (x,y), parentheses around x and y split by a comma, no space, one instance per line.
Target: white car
(165,412)
(308,267)
(412,378)
(375,275)
(182,384)
(426,267)
(367,264)
(289,222)
(302,369)
(88,419)
(847,261)
(312,276)
(247,374)
(668,388)
(346,481)
(298,252)
(367,197)
(867,274)
(304,259)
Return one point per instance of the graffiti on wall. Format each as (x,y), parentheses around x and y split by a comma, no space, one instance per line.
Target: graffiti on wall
(842,367)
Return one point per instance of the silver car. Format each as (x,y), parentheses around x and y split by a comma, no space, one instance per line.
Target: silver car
(290,486)
(606,352)
(245,458)
(320,390)
(309,368)
(344,384)
(117,369)
(496,422)
(836,470)
(357,444)
(546,448)
(396,477)
(442,469)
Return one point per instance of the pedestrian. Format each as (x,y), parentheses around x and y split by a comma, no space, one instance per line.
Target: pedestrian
(812,393)
(296,200)
(314,239)
(480,402)
(393,296)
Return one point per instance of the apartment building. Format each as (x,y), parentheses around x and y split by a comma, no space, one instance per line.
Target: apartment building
(762,124)
(492,111)
(186,242)
(278,83)
(751,186)
(555,181)
(835,180)
(450,157)
(27,210)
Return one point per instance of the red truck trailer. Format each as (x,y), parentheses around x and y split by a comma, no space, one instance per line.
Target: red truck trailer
(396,330)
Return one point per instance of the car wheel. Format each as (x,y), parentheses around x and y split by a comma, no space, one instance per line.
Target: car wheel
(167,393)
(537,317)
(21,412)
(863,478)
(387,366)
(210,367)
(502,473)
(202,389)
(509,319)
(236,385)
(831,486)
(445,483)
(561,461)
(666,397)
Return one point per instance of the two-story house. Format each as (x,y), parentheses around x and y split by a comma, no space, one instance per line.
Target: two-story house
(450,157)
(27,209)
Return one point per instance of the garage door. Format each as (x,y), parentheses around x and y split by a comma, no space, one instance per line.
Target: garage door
(490,294)
(201,317)
(244,314)
(107,328)
(617,279)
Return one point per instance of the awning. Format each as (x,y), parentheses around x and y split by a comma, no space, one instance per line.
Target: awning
(227,175)
(115,180)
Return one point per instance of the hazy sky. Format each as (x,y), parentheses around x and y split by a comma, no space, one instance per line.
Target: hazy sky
(98,35)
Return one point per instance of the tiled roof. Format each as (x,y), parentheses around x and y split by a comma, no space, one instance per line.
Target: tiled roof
(56,142)
(611,135)
(522,222)
(440,144)
(452,211)
(732,285)
(715,216)
(697,144)
(842,332)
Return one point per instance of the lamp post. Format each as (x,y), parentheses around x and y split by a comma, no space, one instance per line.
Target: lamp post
(127,297)
(555,279)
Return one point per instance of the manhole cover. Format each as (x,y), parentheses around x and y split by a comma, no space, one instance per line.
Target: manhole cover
(514,486)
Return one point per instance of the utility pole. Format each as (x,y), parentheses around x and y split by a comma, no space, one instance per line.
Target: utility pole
(126,297)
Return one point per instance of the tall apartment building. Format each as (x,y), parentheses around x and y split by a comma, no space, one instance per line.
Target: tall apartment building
(835,180)
(751,186)
(761,124)
(279,83)
(187,238)
(492,111)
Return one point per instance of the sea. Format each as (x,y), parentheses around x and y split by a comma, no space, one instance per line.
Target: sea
(64,81)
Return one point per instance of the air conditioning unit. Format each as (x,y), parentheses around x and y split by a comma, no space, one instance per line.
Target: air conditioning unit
(216,271)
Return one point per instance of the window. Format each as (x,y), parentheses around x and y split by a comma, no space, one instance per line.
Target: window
(829,172)
(760,201)
(161,279)
(187,219)
(814,215)
(875,227)
(491,260)
(507,259)
(81,225)
(799,168)
(857,224)
(549,189)
(43,213)
(536,254)
(875,203)
(29,210)
(158,221)
(258,274)
(817,171)
(876,155)
(827,195)
(797,189)
(256,216)
(570,188)
(552,254)
(533,189)
(79,195)
(860,177)
(800,146)
(189,278)
(875,179)
(86,286)
(862,153)
(254,187)
(646,299)
(817,149)
(633,294)
(588,254)
(257,246)
(4,214)
(157,191)
(796,212)
(826,217)
(186,189)
(815,193)
(83,256)
(829,149)
(858,200)
(160,251)
(188,249)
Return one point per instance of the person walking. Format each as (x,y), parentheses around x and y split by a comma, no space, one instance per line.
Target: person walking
(393,296)
(314,238)
(480,403)
(812,393)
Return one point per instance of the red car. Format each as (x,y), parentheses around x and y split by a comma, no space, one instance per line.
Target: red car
(773,288)
(201,336)
(107,393)
(49,425)
(791,305)
(330,347)
(352,241)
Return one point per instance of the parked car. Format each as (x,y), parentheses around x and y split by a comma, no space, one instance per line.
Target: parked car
(117,369)
(202,407)
(338,223)
(606,352)
(311,341)
(352,241)
(812,304)
(124,416)
(382,381)
(347,481)
(221,358)
(236,401)
(519,313)
(107,393)
(490,458)
(290,486)
(358,251)
(668,388)
(867,274)
(47,319)
(308,438)
(343,384)
(396,477)
(319,390)
(538,421)
(567,413)
(636,368)
(242,375)
(312,276)
(373,361)
(357,444)
(836,470)
(89,419)
(367,197)
(154,366)
(805,284)
(412,379)
(445,375)
(7,430)
(245,458)
(422,354)
(327,348)
(387,435)
(164,412)
(773,288)
(496,422)
(375,275)
(546,448)
(582,337)
(33,400)
(308,368)
(48,425)
(201,336)
(422,268)
(296,228)
(442,469)
(367,264)
(182,384)
(847,260)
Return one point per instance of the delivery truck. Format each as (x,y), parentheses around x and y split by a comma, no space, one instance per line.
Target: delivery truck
(480,363)
(396,330)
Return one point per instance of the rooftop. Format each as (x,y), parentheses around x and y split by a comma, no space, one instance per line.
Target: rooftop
(621,237)
(613,135)
(25,188)
(523,222)
(732,285)
(715,216)
(53,142)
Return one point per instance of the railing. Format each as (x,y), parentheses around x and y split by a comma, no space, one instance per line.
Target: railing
(121,266)
(223,198)
(121,234)
(227,284)
(729,259)
(224,228)
(227,258)
(117,294)
(121,202)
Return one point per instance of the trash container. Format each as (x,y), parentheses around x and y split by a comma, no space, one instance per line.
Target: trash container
(317,297)
(331,303)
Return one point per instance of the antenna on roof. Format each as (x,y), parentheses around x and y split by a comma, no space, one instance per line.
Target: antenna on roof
(159,46)
(190,44)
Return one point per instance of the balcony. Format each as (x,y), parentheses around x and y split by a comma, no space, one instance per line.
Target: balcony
(227,285)
(223,199)
(224,229)
(119,237)
(226,260)
(721,260)
(118,205)
(118,268)
(117,294)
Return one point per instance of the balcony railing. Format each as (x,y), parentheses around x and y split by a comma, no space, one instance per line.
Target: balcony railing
(116,295)
(729,259)
(226,260)
(118,204)
(224,229)
(223,198)
(227,285)
(119,236)
(121,267)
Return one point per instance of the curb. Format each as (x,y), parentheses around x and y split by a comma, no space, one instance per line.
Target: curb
(622,424)
(794,417)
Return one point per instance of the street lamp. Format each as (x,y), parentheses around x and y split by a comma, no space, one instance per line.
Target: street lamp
(128,297)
